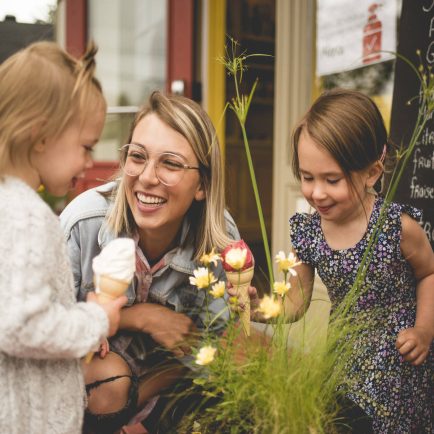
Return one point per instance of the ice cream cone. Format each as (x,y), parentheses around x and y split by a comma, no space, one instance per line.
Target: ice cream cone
(113,271)
(240,281)
(108,288)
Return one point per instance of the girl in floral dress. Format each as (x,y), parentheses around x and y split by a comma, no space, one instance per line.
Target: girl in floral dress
(339,148)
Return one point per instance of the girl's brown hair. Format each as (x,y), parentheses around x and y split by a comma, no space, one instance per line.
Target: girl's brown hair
(347,124)
(191,121)
(43,89)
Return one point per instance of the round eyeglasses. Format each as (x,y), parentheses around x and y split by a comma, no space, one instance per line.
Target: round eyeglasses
(169,168)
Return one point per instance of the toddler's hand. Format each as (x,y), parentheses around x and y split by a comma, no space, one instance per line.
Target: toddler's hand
(104,348)
(414,344)
(112,309)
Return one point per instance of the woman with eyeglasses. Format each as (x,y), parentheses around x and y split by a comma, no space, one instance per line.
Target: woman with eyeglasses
(168,197)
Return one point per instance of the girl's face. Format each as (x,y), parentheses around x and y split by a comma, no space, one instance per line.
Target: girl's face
(62,160)
(158,209)
(325,186)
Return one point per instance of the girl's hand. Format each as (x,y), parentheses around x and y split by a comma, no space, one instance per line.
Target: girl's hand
(104,348)
(414,344)
(253,295)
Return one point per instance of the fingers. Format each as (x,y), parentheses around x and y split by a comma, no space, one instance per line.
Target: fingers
(419,360)
(104,349)
(120,301)
(103,352)
(238,306)
(91,296)
(411,347)
(117,303)
(181,350)
(406,346)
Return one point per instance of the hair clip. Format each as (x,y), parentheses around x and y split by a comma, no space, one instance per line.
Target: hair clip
(383,154)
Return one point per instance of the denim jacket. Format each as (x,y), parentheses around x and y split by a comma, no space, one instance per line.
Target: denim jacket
(86,232)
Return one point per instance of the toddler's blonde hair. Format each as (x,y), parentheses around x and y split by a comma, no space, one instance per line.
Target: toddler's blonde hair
(43,89)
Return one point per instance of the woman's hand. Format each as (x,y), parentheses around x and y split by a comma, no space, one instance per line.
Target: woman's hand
(414,344)
(172,330)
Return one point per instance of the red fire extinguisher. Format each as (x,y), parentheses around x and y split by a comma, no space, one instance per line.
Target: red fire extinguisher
(372,36)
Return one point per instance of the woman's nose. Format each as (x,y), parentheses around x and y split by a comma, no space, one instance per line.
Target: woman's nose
(148,174)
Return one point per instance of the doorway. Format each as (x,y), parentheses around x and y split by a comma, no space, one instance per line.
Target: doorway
(252,24)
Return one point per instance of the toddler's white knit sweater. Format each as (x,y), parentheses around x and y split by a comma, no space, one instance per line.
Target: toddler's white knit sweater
(43,330)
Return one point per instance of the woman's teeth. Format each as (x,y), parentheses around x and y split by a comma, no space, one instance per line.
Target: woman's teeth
(149,200)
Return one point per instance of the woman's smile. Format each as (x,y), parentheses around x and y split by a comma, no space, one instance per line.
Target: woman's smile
(150,200)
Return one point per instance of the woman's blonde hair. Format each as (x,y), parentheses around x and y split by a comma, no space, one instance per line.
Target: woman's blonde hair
(206,216)
(349,126)
(43,89)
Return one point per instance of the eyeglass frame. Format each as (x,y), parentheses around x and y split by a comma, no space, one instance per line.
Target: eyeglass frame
(184,166)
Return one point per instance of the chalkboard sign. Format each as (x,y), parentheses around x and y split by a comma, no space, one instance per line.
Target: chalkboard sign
(416,32)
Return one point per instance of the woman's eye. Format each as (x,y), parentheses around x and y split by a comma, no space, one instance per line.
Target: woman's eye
(88,148)
(172,164)
(333,181)
(137,156)
(307,178)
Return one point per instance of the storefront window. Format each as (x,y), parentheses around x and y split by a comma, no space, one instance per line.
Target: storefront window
(131,61)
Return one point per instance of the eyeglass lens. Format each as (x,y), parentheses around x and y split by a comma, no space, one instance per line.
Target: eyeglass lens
(169,168)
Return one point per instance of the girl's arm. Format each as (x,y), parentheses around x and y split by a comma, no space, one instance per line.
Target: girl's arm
(414,343)
(299,296)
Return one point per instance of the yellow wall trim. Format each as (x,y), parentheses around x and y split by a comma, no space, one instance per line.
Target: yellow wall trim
(216,82)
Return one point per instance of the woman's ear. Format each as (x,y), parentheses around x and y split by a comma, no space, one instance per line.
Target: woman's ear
(200,193)
(374,173)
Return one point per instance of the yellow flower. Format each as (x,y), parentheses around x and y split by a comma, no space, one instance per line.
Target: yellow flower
(210,258)
(205,355)
(281,288)
(202,278)
(218,289)
(236,258)
(233,301)
(269,307)
(287,263)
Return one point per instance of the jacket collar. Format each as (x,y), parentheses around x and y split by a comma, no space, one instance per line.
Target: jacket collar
(181,261)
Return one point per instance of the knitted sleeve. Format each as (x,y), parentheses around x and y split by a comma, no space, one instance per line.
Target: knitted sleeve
(39,317)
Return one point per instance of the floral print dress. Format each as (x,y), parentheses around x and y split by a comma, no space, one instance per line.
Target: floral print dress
(397,395)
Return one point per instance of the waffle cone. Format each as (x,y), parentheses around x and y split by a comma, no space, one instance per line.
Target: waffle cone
(240,281)
(109,288)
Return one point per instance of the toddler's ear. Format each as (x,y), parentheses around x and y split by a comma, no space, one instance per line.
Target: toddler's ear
(374,173)
(40,146)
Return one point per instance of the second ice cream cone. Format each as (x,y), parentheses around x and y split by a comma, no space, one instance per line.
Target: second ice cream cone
(240,281)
